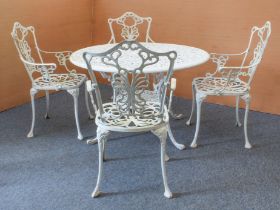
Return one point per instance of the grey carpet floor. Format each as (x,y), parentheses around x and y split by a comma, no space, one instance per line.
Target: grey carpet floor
(54,170)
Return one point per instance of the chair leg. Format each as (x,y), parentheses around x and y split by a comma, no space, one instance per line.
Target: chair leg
(238,123)
(104,147)
(75,94)
(172,114)
(199,99)
(173,140)
(189,122)
(161,133)
(32,95)
(247,100)
(90,116)
(47,104)
(102,135)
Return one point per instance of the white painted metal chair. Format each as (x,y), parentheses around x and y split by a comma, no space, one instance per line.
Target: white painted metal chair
(129,23)
(129,111)
(231,80)
(42,74)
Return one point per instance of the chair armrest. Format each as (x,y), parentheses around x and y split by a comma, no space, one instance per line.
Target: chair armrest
(54,52)
(235,70)
(229,54)
(37,64)
(221,58)
(45,69)
(62,58)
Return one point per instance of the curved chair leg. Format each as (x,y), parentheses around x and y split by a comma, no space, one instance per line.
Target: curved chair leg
(33,92)
(104,147)
(90,116)
(247,100)
(172,114)
(238,123)
(161,133)
(75,94)
(173,140)
(102,135)
(189,122)
(47,104)
(199,99)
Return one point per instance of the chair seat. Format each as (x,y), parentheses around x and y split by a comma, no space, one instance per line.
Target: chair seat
(60,82)
(113,121)
(219,86)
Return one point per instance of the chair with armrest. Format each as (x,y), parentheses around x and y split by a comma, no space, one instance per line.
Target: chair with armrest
(231,80)
(42,74)
(129,111)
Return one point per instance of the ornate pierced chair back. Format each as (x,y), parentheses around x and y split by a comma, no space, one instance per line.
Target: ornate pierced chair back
(129,24)
(129,59)
(253,55)
(27,47)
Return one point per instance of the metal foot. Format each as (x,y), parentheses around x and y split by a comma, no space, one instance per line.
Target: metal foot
(168,194)
(92,141)
(238,124)
(80,137)
(95,193)
(248,146)
(193,145)
(188,123)
(30,134)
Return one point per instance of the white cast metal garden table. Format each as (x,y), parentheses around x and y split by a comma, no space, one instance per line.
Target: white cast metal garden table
(187,57)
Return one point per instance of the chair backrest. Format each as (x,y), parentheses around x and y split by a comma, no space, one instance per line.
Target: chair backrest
(254,52)
(129,23)
(27,47)
(129,59)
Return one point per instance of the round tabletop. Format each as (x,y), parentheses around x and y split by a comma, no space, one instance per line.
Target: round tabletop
(187,57)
